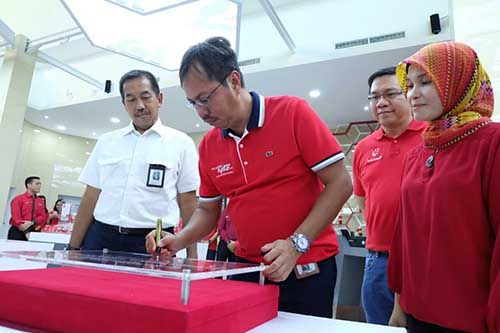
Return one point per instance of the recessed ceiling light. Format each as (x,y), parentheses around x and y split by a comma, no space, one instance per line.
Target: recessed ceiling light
(366,108)
(197,125)
(46,117)
(59,137)
(87,153)
(114,120)
(94,133)
(87,142)
(314,93)
(61,127)
(20,131)
(36,130)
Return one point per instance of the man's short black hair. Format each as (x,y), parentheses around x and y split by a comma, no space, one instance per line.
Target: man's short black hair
(30,180)
(379,73)
(138,73)
(214,57)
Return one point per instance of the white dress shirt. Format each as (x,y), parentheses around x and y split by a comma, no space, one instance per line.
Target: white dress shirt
(119,166)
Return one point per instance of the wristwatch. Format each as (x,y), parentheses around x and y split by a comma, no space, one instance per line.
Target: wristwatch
(301,242)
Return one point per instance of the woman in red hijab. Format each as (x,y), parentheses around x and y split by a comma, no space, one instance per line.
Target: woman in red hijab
(446,251)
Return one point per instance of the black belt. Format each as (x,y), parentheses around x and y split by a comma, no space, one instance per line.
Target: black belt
(130,231)
(379,253)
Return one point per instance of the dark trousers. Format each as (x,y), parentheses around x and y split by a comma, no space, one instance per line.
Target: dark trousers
(211,254)
(223,252)
(16,234)
(418,326)
(103,236)
(312,295)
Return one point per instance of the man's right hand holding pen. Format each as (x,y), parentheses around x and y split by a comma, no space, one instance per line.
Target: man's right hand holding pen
(166,246)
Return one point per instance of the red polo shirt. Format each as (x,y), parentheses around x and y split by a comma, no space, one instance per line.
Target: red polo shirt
(269,174)
(445,255)
(377,168)
(21,210)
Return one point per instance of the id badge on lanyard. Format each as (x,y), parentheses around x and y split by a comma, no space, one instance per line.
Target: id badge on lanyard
(156,175)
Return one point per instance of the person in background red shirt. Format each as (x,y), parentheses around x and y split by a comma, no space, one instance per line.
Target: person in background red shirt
(55,213)
(227,234)
(377,168)
(445,254)
(27,211)
(212,244)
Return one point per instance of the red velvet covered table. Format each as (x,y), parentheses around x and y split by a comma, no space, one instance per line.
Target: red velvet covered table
(71,299)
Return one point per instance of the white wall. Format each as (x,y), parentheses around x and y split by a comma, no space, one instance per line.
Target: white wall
(57,159)
(477,23)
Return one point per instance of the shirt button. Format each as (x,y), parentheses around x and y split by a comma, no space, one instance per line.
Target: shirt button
(241,145)
(395,141)
(246,163)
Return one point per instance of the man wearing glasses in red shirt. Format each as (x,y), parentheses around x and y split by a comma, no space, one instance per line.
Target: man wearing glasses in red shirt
(282,171)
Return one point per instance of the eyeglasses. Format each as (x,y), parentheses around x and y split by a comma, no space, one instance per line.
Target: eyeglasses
(200,102)
(388,96)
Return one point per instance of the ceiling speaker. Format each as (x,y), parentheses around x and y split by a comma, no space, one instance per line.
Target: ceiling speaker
(435,24)
(107,86)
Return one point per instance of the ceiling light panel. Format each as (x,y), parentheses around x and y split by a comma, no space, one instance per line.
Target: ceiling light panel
(146,7)
(160,38)
(315,93)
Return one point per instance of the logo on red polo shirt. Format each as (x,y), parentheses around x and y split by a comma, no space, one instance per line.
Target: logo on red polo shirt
(375,155)
(223,169)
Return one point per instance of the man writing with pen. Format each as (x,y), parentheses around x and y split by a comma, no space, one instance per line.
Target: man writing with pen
(282,170)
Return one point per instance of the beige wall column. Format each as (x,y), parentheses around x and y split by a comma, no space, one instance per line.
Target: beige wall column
(15,82)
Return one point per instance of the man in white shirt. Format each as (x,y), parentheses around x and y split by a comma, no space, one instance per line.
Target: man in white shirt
(136,175)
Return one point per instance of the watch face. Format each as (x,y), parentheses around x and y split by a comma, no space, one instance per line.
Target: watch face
(302,243)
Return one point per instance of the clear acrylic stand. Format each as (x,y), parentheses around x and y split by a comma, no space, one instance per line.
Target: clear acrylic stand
(186,270)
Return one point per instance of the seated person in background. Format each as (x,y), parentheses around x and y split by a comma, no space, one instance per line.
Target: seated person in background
(55,213)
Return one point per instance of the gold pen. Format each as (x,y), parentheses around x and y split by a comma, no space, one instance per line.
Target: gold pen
(158,238)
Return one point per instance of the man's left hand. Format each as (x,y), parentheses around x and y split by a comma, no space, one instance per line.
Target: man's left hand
(283,256)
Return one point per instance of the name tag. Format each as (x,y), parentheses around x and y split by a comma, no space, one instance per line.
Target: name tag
(156,175)
(303,271)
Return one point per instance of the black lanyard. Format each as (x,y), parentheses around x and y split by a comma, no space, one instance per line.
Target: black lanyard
(33,209)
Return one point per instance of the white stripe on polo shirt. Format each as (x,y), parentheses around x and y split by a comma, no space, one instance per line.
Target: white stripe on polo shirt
(326,162)
(262,109)
(210,199)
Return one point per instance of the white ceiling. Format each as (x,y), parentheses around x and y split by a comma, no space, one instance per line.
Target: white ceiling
(342,83)
(340,76)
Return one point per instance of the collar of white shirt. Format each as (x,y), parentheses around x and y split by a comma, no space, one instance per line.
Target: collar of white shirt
(157,128)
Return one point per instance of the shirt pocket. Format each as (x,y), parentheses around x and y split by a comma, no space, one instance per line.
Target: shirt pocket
(112,172)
